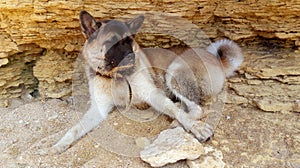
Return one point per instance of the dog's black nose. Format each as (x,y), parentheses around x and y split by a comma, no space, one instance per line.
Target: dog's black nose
(128,53)
(128,59)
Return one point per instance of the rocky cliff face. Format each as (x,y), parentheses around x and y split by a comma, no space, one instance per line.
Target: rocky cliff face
(40,41)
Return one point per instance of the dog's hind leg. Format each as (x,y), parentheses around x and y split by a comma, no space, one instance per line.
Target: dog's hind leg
(148,92)
(183,84)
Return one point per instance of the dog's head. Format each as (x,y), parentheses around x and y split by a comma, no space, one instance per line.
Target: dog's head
(110,47)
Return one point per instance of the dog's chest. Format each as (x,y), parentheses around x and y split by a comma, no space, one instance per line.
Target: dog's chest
(121,92)
(133,91)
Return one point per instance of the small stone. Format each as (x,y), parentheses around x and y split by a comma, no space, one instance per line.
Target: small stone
(170,146)
(69,47)
(4,103)
(234,80)
(212,158)
(249,76)
(271,105)
(254,82)
(2,83)
(3,61)
(3,55)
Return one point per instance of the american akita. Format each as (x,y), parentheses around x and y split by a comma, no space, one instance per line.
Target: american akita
(120,72)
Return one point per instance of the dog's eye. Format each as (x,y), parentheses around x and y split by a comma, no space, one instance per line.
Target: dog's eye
(128,40)
(114,39)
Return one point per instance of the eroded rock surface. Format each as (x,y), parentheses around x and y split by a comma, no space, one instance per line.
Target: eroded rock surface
(40,41)
(170,146)
(211,158)
(268,80)
(29,31)
(54,71)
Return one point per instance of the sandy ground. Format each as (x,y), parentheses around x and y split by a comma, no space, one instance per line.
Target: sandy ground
(246,136)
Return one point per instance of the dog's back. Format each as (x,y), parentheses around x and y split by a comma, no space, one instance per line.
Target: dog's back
(197,73)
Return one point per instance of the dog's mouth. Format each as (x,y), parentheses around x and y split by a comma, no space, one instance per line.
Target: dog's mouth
(117,61)
(119,69)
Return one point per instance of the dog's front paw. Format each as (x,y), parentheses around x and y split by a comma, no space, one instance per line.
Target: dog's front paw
(45,151)
(58,149)
(55,149)
(45,145)
(202,131)
(196,114)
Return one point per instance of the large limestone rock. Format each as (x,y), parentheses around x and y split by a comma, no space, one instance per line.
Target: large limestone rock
(54,24)
(170,146)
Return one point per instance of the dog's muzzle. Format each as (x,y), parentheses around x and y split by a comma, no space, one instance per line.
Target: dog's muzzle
(125,67)
(128,60)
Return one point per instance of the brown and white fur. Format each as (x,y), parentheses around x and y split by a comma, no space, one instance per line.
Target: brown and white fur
(120,72)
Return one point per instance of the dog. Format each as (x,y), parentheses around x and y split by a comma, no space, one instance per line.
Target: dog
(121,73)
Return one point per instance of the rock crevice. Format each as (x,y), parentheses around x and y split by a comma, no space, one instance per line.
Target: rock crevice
(28,28)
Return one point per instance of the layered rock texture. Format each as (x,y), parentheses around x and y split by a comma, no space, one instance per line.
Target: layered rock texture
(170,146)
(270,81)
(40,41)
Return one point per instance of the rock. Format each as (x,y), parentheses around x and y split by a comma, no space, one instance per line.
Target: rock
(54,25)
(54,71)
(170,146)
(276,106)
(234,99)
(270,82)
(3,55)
(3,61)
(282,67)
(4,103)
(16,75)
(271,67)
(212,158)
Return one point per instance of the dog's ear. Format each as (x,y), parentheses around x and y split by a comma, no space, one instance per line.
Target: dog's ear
(135,23)
(88,24)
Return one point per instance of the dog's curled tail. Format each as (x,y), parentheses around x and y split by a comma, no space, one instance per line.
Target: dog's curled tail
(229,53)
